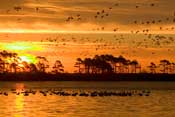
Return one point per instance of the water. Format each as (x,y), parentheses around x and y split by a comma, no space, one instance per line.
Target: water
(160,102)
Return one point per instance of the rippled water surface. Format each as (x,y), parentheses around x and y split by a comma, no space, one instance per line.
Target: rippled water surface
(160,103)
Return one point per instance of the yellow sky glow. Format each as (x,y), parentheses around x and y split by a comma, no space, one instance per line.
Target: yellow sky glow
(28,58)
(21,46)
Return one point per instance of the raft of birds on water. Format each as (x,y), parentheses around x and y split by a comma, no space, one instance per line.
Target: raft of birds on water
(121,93)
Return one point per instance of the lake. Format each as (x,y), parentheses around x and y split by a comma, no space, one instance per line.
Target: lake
(160,102)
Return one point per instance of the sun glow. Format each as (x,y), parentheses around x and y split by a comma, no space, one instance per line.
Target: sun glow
(20,46)
(28,58)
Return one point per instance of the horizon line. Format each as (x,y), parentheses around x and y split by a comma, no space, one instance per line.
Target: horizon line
(26,31)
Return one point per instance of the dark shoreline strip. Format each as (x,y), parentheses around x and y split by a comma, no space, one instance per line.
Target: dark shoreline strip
(86,77)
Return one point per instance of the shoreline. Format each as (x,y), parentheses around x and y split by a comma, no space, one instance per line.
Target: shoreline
(86,77)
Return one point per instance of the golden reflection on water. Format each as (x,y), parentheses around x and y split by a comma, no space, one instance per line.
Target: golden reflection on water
(19,101)
(19,105)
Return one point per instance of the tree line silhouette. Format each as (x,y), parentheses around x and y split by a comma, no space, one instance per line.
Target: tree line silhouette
(10,62)
(111,64)
(107,64)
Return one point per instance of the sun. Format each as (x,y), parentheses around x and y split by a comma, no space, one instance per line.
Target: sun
(28,58)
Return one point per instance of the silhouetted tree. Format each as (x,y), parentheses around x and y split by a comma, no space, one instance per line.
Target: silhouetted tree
(134,66)
(112,61)
(172,67)
(42,64)
(2,63)
(13,67)
(165,66)
(15,63)
(25,66)
(152,67)
(88,63)
(126,66)
(120,61)
(78,64)
(5,57)
(98,64)
(11,61)
(58,67)
(32,68)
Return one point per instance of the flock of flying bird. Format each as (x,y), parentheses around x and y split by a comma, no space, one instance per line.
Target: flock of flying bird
(100,43)
(150,40)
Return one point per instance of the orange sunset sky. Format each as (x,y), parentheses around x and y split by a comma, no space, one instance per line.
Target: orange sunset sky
(67,29)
